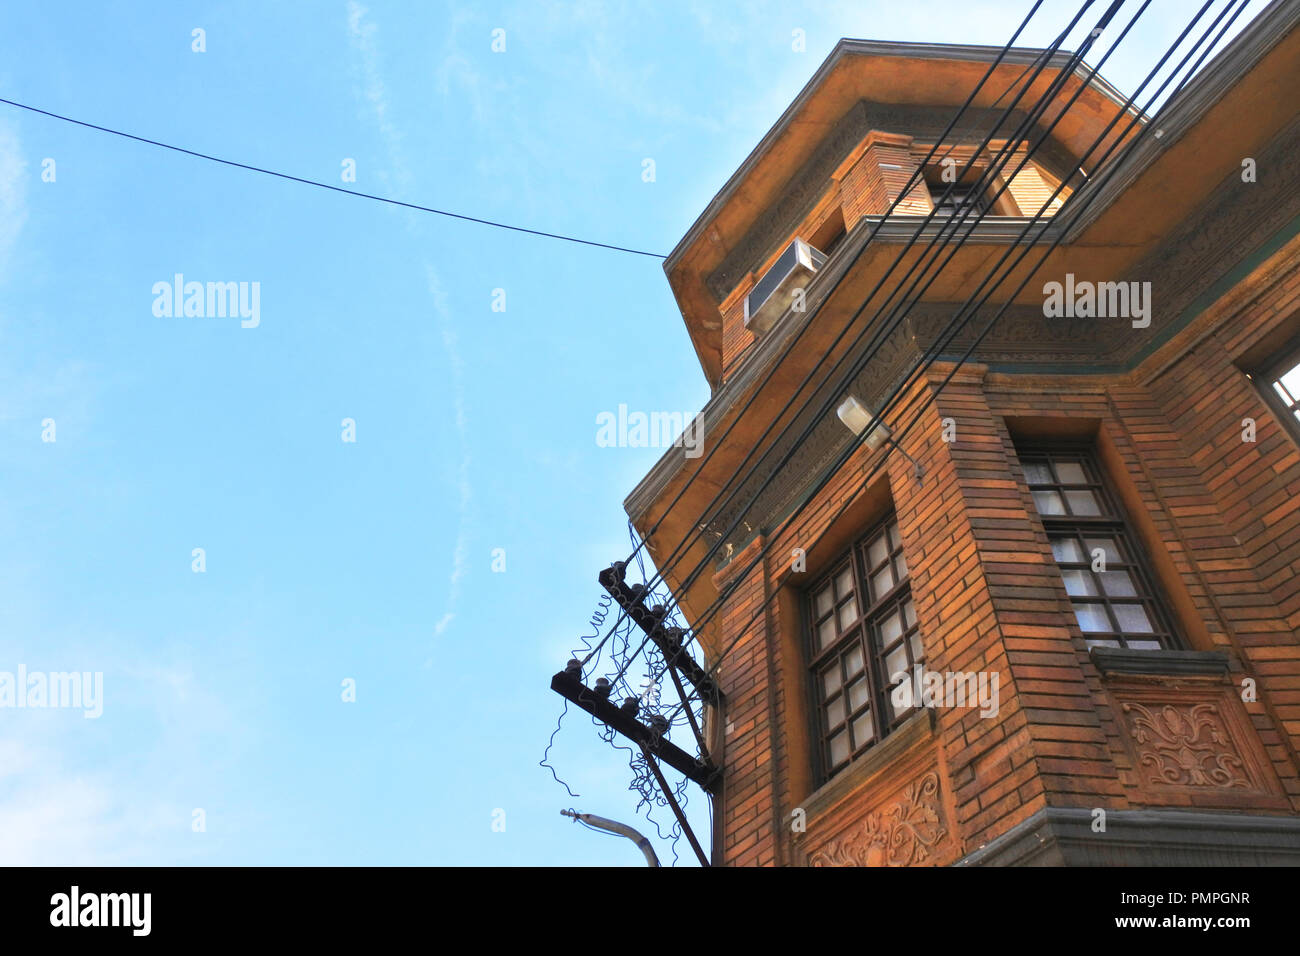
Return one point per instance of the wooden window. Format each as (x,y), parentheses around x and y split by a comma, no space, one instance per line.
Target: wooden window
(1280,383)
(863,635)
(1106,575)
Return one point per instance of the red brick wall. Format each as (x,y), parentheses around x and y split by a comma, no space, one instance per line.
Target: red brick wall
(1219,517)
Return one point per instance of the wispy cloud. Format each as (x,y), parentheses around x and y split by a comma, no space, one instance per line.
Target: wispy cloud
(364,35)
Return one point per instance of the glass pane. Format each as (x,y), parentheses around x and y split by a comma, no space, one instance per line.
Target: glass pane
(848,613)
(862,729)
(826,633)
(896,664)
(1132,619)
(909,612)
(1079,583)
(1037,473)
(1070,473)
(853,662)
(901,566)
(839,748)
(1117,584)
(857,694)
(1092,617)
(844,582)
(1103,643)
(881,582)
(1082,502)
(1068,550)
(835,712)
(1291,381)
(823,601)
(890,629)
(1144,645)
(877,551)
(831,680)
(893,536)
(917,652)
(1106,545)
(1048,503)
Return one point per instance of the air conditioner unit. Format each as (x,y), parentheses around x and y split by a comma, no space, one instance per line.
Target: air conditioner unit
(775,291)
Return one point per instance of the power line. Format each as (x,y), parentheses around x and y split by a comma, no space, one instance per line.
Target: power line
(338,189)
(1110,171)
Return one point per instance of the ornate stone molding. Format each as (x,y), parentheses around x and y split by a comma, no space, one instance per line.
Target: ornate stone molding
(1185,745)
(905,834)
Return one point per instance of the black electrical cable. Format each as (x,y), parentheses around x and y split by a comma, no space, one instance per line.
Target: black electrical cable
(1041,61)
(882,334)
(1110,171)
(338,189)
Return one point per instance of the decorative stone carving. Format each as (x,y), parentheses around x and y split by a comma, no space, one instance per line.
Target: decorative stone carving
(904,835)
(1185,745)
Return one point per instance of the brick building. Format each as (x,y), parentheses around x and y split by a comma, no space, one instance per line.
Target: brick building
(1093,526)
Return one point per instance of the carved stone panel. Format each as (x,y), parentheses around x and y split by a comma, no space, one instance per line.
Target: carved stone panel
(1194,745)
(909,829)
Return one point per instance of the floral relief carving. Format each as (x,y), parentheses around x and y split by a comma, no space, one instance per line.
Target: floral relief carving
(1185,745)
(903,835)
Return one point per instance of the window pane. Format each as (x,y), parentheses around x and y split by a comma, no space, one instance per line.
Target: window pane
(1132,619)
(858,694)
(890,629)
(1092,617)
(1071,473)
(1068,550)
(901,566)
(1144,645)
(831,679)
(917,652)
(877,551)
(1038,474)
(1291,381)
(848,613)
(844,582)
(1079,583)
(835,712)
(1117,584)
(1103,643)
(825,633)
(909,612)
(893,536)
(1107,546)
(881,582)
(1082,502)
(853,662)
(822,603)
(862,729)
(895,664)
(1048,503)
(839,748)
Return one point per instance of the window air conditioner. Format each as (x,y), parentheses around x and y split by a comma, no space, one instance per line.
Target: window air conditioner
(775,291)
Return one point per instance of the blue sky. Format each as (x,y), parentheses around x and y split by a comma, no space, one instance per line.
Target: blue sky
(475,429)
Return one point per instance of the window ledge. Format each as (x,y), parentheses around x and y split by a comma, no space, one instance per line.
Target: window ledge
(918,727)
(1122,660)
